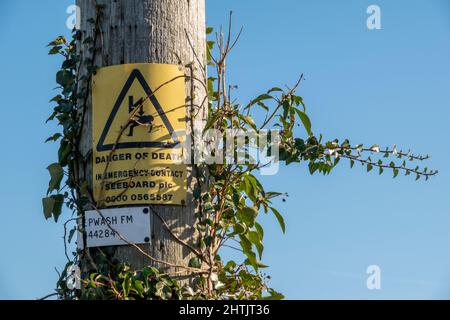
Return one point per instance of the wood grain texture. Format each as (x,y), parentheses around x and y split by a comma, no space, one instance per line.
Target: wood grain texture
(151,31)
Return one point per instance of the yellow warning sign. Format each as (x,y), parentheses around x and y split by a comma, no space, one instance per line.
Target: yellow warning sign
(139,123)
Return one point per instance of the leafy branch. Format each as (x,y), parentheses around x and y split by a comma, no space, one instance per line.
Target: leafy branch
(229,196)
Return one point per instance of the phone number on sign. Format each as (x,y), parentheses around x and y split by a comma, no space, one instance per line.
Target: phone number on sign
(140,197)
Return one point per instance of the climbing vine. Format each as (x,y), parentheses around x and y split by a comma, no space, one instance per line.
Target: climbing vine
(230,196)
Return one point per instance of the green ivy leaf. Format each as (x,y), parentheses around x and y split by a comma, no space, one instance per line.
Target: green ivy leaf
(48,204)
(238,228)
(71,234)
(57,208)
(207,240)
(305,120)
(64,78)
(262,97)
(255,238)
(248,120)
(54,137)
(299,101)
(395,172)
(248,216)
(271,194)
(273,295)
(236,197)
(64,152)
(52,206)
(197,192)
(56,176)
(275,89)
(138,285)
(260,230)
(58,41)
(195,263)
(246,246)
(126,284)
(55,50)
(279,218)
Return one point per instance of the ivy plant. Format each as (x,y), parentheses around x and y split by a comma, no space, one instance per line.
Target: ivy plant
(230,196)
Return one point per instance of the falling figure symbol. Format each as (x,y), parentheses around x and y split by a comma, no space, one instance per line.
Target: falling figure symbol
(139,119)
(142,110)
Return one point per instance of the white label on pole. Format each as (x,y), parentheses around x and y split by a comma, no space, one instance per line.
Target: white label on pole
(109,227)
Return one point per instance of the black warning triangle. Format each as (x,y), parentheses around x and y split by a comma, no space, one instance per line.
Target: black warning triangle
(137,75)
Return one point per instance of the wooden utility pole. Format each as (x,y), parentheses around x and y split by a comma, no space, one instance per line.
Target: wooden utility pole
(151,31)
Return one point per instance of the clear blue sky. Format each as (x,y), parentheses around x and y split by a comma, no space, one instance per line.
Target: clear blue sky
(382,86)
